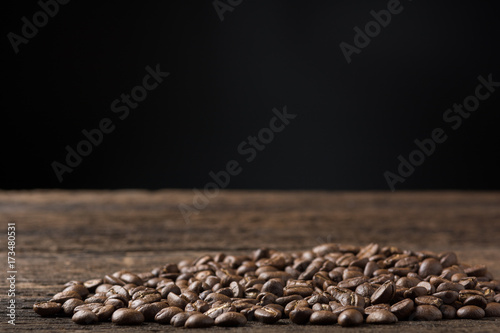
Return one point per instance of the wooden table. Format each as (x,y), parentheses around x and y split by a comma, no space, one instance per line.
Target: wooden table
(77,235)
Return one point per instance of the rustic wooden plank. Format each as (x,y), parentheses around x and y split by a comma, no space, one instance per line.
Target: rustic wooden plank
(66,235)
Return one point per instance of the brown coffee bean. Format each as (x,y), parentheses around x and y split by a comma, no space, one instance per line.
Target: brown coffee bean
(470,312)
(430,266)
(70,305)
(92,284)
(492,310)
(104,312)
(448,259)
(79,288)
(477,270)
(476,300)
(384,293)
(199,321)
(267,315)
(429,300)
(415,292)
(403,309)
(447,296)
(46,309)
(448,311)
(323,317)
(427,312)
(64,296)
(381,317)
(179,319)
(273,286)
(103,288)
(450,286)
(231,319)
(349,318)
(300,315)
(126,316)
(165,315)
(85,317)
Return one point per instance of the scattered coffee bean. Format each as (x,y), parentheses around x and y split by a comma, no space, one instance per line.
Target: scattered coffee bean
(332,283)
(125,316)
(85,317)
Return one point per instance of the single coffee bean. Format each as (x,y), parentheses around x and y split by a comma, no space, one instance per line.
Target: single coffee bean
(429,300)
(104,312)
(427,312)
(492,310)
(448,311)
(79,288)
(350,317)
(85,317)
(179,319)
(415,292)
(476,300)
(231,319)
(430,266)
(384,293)
(381,317)
(470,312)
(448,296)
(323,317)
(477,270)
(70,305)
(126,316)
(64,296)
(199,321)
(403,309)
(165,315)
(274,287)
(267,315)
(46,309)
(300,315)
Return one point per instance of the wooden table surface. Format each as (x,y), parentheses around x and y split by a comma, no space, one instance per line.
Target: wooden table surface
(78,235)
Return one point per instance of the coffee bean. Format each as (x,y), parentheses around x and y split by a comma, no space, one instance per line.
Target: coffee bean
(46,309)
(179,319)
(430,266)
(427,312)
(231,319)
(199,321)
(323,317)
(448,296)
(125,316)
(105,312)
(470,312)
(381,317)
(476,300)
(70,305)
(267,315)
(477,270)
(492,310)
(429,300)
(300,315)
(92,284)
(384,293)
(350,317)
(85,317)
(403,309)
(64,296)
(165,315)
(448,311)
(79,288)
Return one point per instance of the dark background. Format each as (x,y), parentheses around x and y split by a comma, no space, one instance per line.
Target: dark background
(226,77)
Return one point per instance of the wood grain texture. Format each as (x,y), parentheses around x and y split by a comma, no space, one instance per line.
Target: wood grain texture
(77,235)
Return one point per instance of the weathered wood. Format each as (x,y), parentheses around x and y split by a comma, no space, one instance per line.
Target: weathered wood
(77,235)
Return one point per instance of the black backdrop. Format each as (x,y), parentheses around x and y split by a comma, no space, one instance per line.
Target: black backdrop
(353,119)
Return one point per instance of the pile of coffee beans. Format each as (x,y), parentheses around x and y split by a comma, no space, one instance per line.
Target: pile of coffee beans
(330,284)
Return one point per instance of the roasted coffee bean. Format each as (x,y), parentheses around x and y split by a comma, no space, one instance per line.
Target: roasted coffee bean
(429,300)
(267,315)
(492,310)
(340,309)
(127,317)
(470,312)
(46,309)
(92,284)
(300,315)
(448,311)
(427,312)
(350,318)
(103,288)
(448,296)
(70,305)
(403,309)
(104,312)
(179,319)
(384,293)
(323,317)
(376,307)
(476,300)
(430,266)
(165,315)
(85,317)
(199,321)
(381,317)
(64,296)
(231,319)
(477,270)
(96,299)
(273,287)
